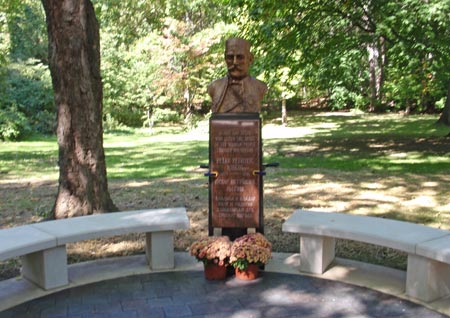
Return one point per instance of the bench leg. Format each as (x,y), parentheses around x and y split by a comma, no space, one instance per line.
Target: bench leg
(159,250)
(316,253)
(47,268)
(426,279)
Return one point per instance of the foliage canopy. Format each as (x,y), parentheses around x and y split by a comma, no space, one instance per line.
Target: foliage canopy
(369,55)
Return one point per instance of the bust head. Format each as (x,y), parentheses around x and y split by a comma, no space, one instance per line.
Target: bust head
(238,57)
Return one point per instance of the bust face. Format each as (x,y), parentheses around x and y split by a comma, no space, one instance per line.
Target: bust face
(238,57)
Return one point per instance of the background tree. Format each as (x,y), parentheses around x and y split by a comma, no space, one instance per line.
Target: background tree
(74,56)
(160,66)
(26,97)
(375,55)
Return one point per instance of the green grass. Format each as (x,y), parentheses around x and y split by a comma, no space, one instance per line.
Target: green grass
(381,143)
(36,157)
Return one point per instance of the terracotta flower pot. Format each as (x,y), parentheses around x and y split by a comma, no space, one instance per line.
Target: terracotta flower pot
(215,272)
(250,273)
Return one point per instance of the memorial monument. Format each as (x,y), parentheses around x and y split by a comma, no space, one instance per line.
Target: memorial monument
(235,157)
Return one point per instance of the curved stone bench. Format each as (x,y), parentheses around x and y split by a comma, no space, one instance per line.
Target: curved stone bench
(428,249)
(42,246)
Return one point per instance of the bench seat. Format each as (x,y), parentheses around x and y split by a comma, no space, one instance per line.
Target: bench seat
(21,240)
(438,249)
(42,246)
(428,248)
(111,224)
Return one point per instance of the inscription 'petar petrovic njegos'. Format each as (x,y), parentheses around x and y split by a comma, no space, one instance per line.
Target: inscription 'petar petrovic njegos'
(235,155)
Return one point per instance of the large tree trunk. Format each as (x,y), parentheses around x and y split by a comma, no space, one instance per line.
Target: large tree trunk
(444,119)
(74,57)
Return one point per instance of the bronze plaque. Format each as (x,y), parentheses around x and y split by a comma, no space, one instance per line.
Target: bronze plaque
(235,155)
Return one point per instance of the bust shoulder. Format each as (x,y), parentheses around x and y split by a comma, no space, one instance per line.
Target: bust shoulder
(260,86)
(217,85)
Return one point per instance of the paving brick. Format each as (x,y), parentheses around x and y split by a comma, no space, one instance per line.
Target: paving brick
(54,312)
(151,312)
(160,302)
(80,308)
(123,314)
(173,311)
(182,298)
(203,308)
(92,300)
(133,304)
(108,307)
(96,315)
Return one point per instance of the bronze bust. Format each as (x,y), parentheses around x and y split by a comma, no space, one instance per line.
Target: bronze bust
(237,92)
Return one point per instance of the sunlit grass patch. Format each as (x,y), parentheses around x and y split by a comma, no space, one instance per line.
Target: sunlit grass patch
(33,158)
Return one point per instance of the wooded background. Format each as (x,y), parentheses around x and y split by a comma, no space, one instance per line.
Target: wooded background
(157,57)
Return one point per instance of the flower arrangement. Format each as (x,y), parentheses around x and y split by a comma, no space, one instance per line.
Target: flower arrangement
(249,249)
(212,250)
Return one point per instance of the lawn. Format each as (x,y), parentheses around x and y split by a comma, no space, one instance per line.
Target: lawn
(381,165)
(337,141)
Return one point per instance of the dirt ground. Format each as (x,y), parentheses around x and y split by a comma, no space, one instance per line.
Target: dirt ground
(414,198)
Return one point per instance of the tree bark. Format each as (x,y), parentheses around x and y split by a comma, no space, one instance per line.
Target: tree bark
(444,119)
(283,112)
(382,65)
(74,58)
(373,58)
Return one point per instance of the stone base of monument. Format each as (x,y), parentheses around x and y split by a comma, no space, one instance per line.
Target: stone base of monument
(232,233)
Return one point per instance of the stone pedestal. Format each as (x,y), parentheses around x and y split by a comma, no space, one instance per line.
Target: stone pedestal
(427,279)
(316,253)
(159,249)
(235,184)
(47,268)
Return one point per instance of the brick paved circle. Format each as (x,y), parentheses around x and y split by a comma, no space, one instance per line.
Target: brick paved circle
(188,294)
